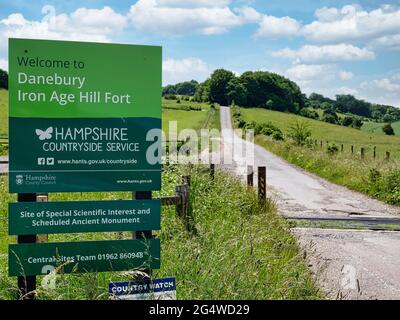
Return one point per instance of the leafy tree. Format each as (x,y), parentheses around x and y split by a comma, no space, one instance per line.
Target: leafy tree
(309,113)
(3,79)
(266,89)
(182,88)
(330,116)
(219,81)
(357,123)
(388,129)
(236,91)
(203,92)
(348,103)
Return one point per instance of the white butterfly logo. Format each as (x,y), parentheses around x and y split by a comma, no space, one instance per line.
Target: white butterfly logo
(44,135)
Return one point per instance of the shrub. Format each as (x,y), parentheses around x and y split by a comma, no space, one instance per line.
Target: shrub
(309,113)
(300,132)
(388,129)
(332,149)
(374,175)
(277,135)
(170,97)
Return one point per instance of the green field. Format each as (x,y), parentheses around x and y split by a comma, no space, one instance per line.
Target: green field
(375,127)
(236,248)
(206,117)
(377,178)
(329,132)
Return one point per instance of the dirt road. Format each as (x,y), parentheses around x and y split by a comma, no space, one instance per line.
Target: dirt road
(350,264)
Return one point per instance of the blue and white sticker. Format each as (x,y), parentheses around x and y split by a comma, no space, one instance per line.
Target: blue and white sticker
(146,289)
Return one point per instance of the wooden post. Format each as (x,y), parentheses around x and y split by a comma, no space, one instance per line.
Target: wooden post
(26,284)
(186,180)
(261,184)
(250,176)
(182,209)
(342,147)
(42,197)
(143,234)
(387,156)
(321,144)
(212,171)
(352,149)
(374,152)
(362,153)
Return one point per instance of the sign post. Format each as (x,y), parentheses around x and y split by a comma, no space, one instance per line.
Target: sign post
(84,117)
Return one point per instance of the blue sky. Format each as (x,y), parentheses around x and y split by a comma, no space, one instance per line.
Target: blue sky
(329,47)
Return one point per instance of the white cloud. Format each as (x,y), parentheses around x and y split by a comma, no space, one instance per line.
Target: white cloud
(183,70)
(339,52)
(160,17)
(384,90)
(4,64)
(391,42)
(82,24)
(193,3)
(347,90)
(311,72)
(387,85)
(274,27)
(352,23)
(345,75)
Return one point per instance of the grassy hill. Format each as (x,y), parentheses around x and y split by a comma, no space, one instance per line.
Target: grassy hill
(375,127)
(201,115)
(329,132)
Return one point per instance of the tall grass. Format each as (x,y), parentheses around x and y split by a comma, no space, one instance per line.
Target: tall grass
(378,178)
(239,249)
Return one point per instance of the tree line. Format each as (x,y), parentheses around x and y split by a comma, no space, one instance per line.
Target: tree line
(272,91)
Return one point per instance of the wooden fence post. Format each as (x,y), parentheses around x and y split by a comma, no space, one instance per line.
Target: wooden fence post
(362,153)
(250,176)
(374,152)
(321,144)
(212,171)
(186,180)
(352,149)
(42,197)
(26,284)
(182,209)
(261,184)
(342,148)
(387,156)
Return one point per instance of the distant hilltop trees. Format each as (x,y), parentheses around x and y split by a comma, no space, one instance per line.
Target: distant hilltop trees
(187,88)
(3,79)
(269,90)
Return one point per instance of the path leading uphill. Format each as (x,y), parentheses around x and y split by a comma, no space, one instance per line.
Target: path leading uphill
(350,264)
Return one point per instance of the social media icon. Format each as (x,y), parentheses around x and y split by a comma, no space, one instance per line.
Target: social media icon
(41,161)
(50,161)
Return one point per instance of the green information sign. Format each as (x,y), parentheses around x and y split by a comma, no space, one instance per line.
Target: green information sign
(81,116)
(83,216)
(88,256)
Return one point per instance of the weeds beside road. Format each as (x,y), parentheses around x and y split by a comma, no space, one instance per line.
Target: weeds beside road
(238,250)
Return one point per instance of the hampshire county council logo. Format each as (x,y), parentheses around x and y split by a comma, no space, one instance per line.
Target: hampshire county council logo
(19,179)
(44,135)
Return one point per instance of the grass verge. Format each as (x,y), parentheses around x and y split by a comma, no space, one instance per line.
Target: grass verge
(379,179)
(240,249)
